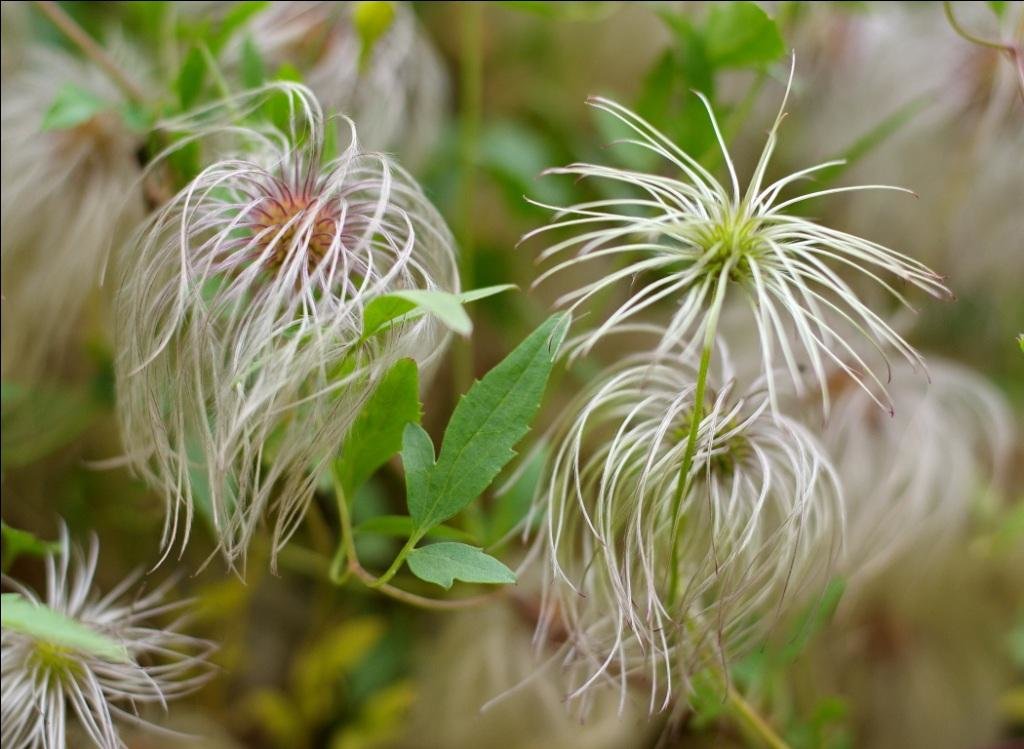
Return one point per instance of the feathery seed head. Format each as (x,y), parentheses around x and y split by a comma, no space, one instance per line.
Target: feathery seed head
(47,685)
(688,238)
(239,311)
(654,583)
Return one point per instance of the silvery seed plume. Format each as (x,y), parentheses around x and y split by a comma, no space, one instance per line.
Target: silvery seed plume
(51,693)
(397,96)
(68,195)
(690,240)
(654,586)
(912,482)
(239,313)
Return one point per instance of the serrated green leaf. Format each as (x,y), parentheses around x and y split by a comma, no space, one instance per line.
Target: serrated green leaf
(487,423)
(742,35)
(372,19)
(401,306)
(46,625)
(71,107)
(189,83)
(17,542)
(254,71)
(402,526)
(377,432)
(444,563)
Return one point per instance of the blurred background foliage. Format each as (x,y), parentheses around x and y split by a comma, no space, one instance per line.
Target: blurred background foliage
(306,664)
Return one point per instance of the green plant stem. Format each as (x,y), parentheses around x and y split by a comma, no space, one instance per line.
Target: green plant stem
(961,31)
(752,721)
(683,484)
(345,565)
(78,36)
(470,116)
(399,560)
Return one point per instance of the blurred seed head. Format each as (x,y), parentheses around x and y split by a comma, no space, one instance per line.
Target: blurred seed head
(913,481)
(689,238)
(396,96)
(239,312)
(68,195)
(52,693)
(651,586)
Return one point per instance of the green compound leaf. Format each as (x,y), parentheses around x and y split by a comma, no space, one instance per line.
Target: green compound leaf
(377,432)
(49,626)
(487,423)
(742,35)
(387,310)
(444,563)
(72,107)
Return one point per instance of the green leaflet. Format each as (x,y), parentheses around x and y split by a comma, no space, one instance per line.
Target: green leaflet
(487,423)
(389,309)
(47,625)
(742,35)
(444,563)
(376,434)
(418,460)
(71,107)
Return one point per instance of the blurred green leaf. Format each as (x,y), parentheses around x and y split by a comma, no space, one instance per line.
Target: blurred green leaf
(71,107)
(444,563)
(376,434)
(254,72)
(742,35)
(189,83)
(515,155)
(40,420)
(372,19)
(487,423)
(813,620)
(136,117)
(512,504)
(237,15)
(17,542)
(46,625)
(403,526)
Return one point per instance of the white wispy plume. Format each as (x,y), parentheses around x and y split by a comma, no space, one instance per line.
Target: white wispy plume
(52,692)
(912,482)
(397,95)
(691,240)
(654,581)
(239,314)
(68,195)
